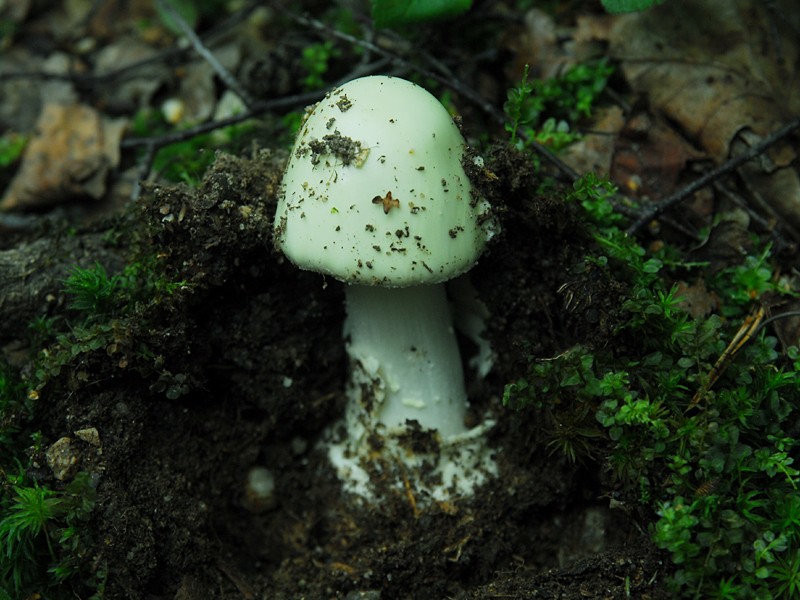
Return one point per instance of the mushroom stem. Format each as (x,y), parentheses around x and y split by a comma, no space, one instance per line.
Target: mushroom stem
(403,348)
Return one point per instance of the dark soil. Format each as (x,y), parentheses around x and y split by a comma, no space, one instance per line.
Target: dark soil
(245,367)
(258,348)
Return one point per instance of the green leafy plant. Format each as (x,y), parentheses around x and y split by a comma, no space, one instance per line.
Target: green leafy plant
(746,282)
(27,516)
(390,13)
(44,543)
(92,290)
(717,470)
(627,6)
(41,539)
(95,293)
(548,110)
(11,148)
(515,105)
(186,161)
(315,60)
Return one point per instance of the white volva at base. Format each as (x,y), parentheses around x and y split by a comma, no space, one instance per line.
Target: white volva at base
(404,423)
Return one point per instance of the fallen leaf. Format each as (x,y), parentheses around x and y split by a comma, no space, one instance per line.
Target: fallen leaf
(70,155)
(595,150)
(650,157)
(727,243)
(725,73)
(695,299)
(537,46)
(136,89)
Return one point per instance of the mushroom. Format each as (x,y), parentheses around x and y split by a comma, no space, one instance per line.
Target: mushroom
(375,195)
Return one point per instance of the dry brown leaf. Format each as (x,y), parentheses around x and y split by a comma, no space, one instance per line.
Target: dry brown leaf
(69,156)
(537,46)
(592,28)
(197,90)
(593,153)
(727,243)
(650,157)
(695,299)
(725,72)
(130,93)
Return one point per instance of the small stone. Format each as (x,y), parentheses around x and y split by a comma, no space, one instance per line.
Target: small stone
(364,595)
(62,458)
(259,495)
(298,445)
(90,435)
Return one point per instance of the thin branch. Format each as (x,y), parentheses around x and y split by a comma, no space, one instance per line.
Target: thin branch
(258,108)
(153,144)
(87,79)
(784,315)
(182,135)
(227,77)
(145,163)
(450,82)
(656,209)
(781,242)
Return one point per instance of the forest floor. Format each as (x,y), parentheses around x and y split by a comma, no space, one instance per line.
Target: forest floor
(191,352)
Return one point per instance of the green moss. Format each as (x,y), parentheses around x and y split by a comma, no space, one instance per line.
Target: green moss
(112,316)
(11,147)
(315,60)
(45,547)
(186,161)
(42,539)
(712,458)
(548,110)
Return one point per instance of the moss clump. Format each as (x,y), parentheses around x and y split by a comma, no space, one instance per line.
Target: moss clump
(693,419)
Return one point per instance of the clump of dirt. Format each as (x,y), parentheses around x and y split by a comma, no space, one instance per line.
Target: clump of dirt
(257,345)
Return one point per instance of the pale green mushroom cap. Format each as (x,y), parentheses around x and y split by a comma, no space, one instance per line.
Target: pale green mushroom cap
(375,192)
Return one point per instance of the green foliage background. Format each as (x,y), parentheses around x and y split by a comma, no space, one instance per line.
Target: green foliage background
(719,475)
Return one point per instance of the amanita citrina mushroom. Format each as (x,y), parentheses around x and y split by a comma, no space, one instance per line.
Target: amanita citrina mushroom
(375,195)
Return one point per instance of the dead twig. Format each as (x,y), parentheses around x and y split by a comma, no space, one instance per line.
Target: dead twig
(448,81)
(656,209)
(186,134)
(153,144)
(781,243)
(86,80)
(226,76)
(752,325)
(783,315)
(749,328)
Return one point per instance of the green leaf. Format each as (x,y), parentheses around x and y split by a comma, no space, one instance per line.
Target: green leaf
(762,573)
(627,6)
(185,8)
(389,13)
(652,265)
(11,147)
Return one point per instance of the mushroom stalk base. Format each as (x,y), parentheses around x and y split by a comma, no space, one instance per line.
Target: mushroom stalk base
(402,342)
(404,424)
